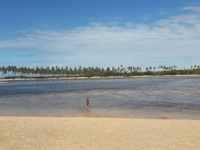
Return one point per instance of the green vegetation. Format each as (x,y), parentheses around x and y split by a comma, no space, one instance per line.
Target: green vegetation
(24,72)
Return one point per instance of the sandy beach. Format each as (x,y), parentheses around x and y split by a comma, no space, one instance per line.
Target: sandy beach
(22,133)
(95,78)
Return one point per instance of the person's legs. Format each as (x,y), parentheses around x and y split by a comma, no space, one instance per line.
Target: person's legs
(86,106)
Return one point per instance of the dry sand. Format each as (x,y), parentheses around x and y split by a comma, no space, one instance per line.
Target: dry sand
(96,77)
(23,133)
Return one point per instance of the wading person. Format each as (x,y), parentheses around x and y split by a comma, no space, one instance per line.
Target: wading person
(87,104)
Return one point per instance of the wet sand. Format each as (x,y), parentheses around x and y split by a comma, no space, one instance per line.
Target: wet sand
(22,133)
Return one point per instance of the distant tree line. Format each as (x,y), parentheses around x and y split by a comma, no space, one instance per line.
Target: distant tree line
(40,72)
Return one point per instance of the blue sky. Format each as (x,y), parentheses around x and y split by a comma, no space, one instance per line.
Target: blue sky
(102,33)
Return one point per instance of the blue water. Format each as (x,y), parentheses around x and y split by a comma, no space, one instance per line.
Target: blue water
(163,97)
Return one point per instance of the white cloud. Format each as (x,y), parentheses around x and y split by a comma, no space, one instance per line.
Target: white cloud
(129,24)
(147,17)
(166,42)
(162,13)
(192,8)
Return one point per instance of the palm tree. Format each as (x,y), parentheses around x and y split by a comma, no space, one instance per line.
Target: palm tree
(161,67)
(174,67)
(128,68)
(108,70)
(1,72)
(37,70)
(150,68)
(121,70)
(57,70)
(62,71)
(79,71)
(15,70)
(71,72)
(49,71)
(118,69)
(8,70)
(28,71)
(66,71)
(4,70)
(75,71)
(53,71)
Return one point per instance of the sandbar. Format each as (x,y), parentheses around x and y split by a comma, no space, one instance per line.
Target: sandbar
(22,133)
(97,77)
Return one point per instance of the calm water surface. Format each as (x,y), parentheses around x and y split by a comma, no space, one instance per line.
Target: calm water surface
(174,97)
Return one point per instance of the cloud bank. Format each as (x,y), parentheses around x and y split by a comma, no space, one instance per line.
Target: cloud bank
(171,41)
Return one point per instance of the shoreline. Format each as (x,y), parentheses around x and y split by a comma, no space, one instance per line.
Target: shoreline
(88,115)
(94,78)
(98,133)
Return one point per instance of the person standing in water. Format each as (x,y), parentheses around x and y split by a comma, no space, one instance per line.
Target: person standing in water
(87,105)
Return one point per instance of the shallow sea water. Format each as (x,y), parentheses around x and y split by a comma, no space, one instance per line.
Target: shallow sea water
(162,97)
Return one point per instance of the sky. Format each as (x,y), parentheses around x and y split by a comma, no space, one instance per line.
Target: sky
(99,33)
